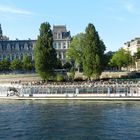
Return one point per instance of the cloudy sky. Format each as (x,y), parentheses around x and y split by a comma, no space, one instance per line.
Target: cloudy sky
(117,21)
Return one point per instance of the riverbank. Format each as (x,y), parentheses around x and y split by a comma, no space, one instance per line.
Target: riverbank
(9,78)
(34,77)
(29,87)
(95,98)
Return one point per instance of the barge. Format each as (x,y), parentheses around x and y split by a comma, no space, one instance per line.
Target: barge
(100,92)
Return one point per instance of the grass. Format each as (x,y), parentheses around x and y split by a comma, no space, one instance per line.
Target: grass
(16,77)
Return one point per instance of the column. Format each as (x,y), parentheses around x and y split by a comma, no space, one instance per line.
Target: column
(62,55)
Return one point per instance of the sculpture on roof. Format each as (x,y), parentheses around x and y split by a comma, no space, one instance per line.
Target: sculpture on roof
(2,38)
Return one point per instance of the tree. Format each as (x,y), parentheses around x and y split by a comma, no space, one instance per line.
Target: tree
(75,51)
(5,65)
(16,64)
(107,57)
(121,58)
(27,63)
(58,64)
(93,53)
(45,55)
(67,66)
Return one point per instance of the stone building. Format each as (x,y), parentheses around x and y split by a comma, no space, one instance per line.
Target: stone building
(61,42)
(18,48)
(132,45)
(12,49)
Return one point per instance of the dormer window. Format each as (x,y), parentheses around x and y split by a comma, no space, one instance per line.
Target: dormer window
(26,46)
(8,47)
(17,46)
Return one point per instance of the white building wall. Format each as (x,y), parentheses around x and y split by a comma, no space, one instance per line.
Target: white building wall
(132,46)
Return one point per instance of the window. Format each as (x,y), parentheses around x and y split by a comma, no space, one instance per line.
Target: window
(8,47)
(55,35)
(13,47)
(26,46)
(59,36)
(59,45)
(17,46)
(22,47)
(55,46)
(64,45)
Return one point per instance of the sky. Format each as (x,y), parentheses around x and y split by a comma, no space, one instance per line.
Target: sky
(117,21)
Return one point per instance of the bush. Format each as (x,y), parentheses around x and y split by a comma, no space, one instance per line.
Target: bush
(78,79)
(59,78)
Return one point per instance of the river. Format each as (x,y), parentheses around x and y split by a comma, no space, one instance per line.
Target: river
(69,120)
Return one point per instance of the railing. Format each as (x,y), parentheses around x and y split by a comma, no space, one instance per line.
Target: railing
(109,90)
(80,90)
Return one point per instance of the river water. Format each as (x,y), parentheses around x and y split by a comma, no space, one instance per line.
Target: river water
(69,120)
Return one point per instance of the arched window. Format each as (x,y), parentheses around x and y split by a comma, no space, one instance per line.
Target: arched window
(8,47)
(17,46)
(22,47)
(26,46)
(13,47)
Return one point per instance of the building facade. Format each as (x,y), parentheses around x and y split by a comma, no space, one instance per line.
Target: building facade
(12,49)
(61,42)
(132,45)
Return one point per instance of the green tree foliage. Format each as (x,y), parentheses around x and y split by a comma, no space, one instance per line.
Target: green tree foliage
(75,51)
(72,74)
(67,66)
(5,65)
(27,63)
(107,57)
(44,53)
(16,64)
(59,78)
(93,53)
(121,58)
(58,64)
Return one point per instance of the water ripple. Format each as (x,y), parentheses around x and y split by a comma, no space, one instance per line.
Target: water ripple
(69,120)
